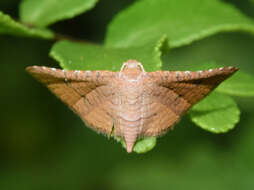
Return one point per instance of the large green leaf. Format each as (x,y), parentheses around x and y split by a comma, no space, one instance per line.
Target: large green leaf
(216,113)
(82,56)
(45,12)
(10,26)
(183,21)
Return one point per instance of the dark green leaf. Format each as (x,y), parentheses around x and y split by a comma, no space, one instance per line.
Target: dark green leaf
(45,12)
(11,27)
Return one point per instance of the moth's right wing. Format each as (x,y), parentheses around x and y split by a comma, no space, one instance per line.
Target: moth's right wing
(174,92)
(192,86)
(85,92)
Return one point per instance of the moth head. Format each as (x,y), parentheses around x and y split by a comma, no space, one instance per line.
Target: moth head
(132,65)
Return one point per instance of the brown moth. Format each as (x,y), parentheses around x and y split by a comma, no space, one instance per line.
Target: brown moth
(133,102)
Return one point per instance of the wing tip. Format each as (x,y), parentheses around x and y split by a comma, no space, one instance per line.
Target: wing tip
(29,69)
(33,69)
(231,68)
(40,69)
(228,70)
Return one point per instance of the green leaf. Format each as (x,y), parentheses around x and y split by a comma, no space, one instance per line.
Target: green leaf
(45,12)
(82,56)
(240,84)
(183,21)
(216,113)
(142,145)
(10,26)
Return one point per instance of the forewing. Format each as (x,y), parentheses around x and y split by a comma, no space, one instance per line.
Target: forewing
(85,92)
(175,92)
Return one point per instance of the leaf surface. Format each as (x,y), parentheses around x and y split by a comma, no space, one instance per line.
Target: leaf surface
(216,113)
(11,27)
(82,56)
(183,21)
(240,84)
(45,12)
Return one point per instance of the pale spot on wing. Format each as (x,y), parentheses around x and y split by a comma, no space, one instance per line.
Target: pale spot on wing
(97,73)
(188,74)
(200,73)
(177,75)
(88,73)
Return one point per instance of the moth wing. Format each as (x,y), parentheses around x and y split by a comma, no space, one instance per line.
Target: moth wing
(175,92)
(157,119)
(85,92)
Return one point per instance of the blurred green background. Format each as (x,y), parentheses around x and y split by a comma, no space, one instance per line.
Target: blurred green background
(45,146)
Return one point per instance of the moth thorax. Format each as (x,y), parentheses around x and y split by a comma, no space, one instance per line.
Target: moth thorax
(132,70)
(132,65)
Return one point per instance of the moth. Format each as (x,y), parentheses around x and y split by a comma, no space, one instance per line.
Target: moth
(131,103)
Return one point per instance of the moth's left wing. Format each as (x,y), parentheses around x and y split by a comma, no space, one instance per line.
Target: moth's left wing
(87,93)
(175,92)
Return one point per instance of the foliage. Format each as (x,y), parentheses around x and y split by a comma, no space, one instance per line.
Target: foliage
(45,146)
(10,26)
(182,21)
(145,31)
(73,55)
(217,113)
(45,12)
